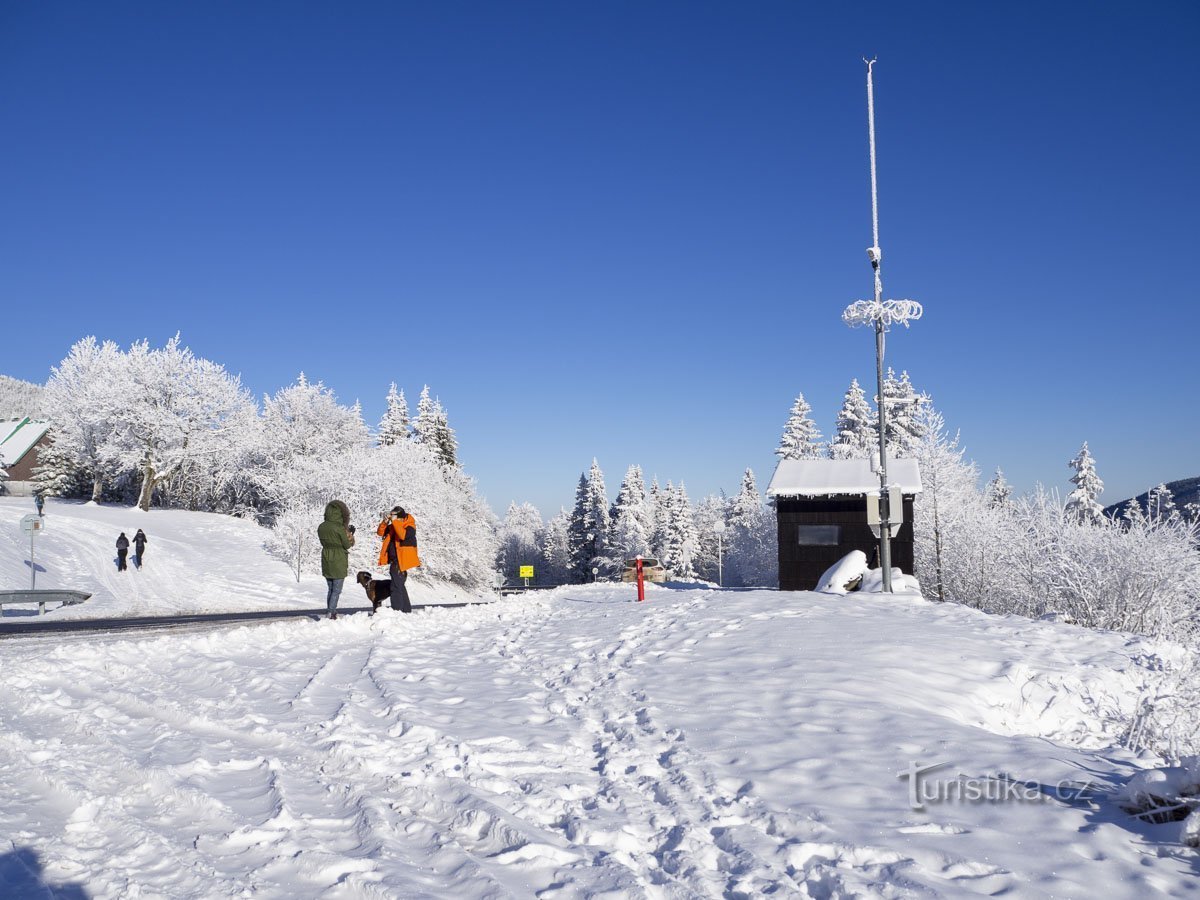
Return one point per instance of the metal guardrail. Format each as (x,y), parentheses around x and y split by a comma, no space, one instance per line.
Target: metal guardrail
(42,597)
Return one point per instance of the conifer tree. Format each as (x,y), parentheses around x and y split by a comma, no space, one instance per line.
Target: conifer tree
(423,425)
(556,549)
(903,428)
(394,426)
(1160,505)
(632,523)
(1082,502)
(589,525)
(800,439)
(998,491)
(685,539)
(855,426)
(441,437)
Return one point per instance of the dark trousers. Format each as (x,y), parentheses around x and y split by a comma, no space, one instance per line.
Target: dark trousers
(121,567)
(137,556)
(399,589)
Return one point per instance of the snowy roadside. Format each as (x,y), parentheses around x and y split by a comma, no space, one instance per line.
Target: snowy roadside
(705,743)
(195,563)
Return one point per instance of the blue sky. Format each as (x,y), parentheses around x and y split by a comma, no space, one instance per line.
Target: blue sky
(624,229)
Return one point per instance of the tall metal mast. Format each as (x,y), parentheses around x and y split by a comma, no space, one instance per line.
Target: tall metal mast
(881,314)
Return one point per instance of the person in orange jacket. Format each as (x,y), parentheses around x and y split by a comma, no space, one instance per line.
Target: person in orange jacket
(399,552)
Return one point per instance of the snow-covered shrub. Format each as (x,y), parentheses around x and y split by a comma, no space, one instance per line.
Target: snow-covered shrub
(1167,794)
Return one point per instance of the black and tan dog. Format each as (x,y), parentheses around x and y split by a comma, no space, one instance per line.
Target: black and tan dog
(378,589)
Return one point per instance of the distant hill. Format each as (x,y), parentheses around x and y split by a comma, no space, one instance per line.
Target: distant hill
(20,398)
(1185,491)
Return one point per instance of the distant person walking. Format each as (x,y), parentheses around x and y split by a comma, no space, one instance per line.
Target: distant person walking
(122,552)
(399,552)
(39,500)
(139,547)
(337,537)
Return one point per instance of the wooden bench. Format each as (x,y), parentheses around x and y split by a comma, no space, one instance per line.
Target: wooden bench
(41,598)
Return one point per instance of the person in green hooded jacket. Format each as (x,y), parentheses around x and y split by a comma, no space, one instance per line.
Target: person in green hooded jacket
(337,537)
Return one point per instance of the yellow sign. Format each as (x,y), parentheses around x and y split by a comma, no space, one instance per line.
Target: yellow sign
(526,571)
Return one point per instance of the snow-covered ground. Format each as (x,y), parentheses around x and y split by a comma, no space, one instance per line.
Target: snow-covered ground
(195,563)
(705,743)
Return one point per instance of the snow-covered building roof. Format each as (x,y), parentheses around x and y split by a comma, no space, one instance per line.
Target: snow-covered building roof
(826,477)
(17,437)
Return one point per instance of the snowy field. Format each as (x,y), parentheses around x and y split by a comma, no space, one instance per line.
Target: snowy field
(706,743)
(195,563)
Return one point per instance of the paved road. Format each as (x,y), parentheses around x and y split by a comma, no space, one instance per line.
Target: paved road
(36,625)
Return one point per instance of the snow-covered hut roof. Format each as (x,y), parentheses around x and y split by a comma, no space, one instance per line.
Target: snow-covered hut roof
(17,437)
(826,477)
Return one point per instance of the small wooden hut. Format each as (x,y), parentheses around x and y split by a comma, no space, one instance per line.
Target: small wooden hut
(821,513)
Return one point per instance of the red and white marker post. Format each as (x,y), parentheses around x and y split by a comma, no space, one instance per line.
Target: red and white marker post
(640,581)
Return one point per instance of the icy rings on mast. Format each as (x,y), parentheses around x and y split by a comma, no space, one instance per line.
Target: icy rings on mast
(886,312)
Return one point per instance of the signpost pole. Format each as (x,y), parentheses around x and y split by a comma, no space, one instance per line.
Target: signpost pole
(32,563)
(640,581)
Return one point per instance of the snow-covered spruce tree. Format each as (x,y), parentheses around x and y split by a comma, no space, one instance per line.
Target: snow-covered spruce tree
(680,540)
(82,399)
(800,439)
(658,518)
(855,428)
(1082,502)
(556,551)
(579,545)
(710,551)
(589,528)
(519,536)
(903,403)
(393,427)
(441,437)
(423,424)
(632,522)
(998,491)
(684,525)
(751,540)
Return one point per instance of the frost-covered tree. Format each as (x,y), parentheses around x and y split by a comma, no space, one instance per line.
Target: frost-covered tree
(556,550)
(711,550)
(589,527)
(1160,504)
(800,439)
(82,400)
(179,409)
(20,398)
(658,518)
(998,491)
(903,423)
(1082,502)
(305,420)
(949,498)
(632,519)
(423,425)
(681,541)
(855,429)
(751,539)
(519,537)
(440,436)
(393,427)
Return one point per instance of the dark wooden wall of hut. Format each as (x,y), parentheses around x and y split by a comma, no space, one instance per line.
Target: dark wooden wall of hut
(802,565)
